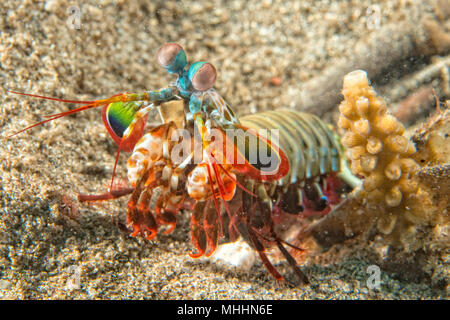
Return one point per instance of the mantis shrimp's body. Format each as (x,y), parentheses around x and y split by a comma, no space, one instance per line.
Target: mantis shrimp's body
(200,156)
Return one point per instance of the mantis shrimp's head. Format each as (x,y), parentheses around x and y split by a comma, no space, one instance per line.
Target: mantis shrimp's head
(201,75)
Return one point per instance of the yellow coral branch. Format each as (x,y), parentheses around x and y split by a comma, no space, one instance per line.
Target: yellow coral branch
(377,148)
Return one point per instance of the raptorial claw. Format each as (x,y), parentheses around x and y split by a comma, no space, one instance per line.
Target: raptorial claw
(198,236)
(199,241)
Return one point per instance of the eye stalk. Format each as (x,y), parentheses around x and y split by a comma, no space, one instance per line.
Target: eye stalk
(202,75)
(172,57)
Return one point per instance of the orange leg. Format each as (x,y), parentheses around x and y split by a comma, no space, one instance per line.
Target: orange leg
(113,194)
(139,216)
(198,236)
(212,228)
(264,221)
(142,221)
(259,247)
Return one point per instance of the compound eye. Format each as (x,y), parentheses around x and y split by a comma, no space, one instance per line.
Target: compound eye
(172,57)
(202,75)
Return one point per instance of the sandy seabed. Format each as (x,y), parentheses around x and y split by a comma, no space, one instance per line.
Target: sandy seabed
(268,55)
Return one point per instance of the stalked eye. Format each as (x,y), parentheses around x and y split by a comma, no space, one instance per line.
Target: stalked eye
(172,57)
(202,75)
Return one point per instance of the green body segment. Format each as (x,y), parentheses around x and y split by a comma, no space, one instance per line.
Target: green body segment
(119,116)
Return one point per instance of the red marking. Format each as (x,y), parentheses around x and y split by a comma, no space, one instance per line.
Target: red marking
(276,81)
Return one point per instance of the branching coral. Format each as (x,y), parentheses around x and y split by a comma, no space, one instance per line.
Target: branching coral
(380,153)
(399,216)
(378,149)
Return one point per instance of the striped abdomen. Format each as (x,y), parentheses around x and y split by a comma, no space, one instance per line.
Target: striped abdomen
(315,156)
(309,143)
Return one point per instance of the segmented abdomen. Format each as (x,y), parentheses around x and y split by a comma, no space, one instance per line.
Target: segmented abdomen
(308,142)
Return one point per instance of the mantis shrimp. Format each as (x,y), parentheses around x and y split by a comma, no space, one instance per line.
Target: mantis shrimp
(233,175)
